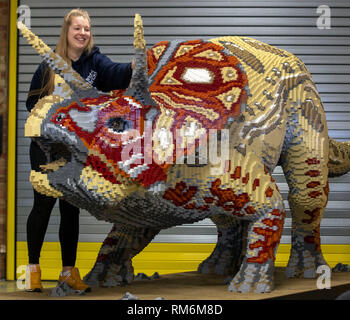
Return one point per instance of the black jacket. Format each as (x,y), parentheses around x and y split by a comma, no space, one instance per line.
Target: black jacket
(96,68)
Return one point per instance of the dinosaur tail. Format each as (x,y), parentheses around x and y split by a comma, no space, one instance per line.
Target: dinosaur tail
(339,158)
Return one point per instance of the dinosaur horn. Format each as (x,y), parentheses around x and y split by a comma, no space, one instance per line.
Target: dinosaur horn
(58,64)
(139,81)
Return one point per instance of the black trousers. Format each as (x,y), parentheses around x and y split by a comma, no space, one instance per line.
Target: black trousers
(39,218)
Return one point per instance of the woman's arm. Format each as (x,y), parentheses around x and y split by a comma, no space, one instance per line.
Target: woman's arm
(112,75)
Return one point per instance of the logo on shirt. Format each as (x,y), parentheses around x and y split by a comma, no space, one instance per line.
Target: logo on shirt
(91,77)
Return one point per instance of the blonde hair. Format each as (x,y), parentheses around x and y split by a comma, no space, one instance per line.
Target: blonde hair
(61,49)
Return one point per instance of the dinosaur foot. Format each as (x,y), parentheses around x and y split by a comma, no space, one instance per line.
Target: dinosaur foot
(253,278)
(304,264)
(110,274)
(220,264)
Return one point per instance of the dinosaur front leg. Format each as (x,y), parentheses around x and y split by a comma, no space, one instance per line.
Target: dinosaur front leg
(227,255)
(113,265)
(248,192)
(257,270)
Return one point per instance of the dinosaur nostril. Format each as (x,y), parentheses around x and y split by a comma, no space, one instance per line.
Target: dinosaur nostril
(60,116)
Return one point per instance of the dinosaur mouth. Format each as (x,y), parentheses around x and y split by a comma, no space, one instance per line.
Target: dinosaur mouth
(59,156)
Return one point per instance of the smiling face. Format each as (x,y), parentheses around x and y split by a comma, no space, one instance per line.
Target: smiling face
(78,34)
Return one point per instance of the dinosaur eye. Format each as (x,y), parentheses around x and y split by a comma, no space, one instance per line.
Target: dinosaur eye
(118,124)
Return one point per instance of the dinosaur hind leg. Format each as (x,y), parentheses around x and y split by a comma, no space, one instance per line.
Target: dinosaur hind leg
(304,162)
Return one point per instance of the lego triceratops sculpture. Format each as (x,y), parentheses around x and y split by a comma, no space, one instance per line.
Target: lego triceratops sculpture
(146,159)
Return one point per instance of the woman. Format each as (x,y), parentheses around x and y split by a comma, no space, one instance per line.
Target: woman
(75,45)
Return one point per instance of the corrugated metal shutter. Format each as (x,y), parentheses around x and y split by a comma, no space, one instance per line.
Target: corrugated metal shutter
(286,24)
